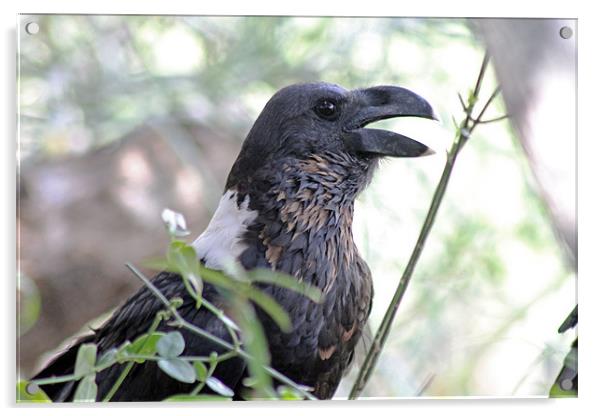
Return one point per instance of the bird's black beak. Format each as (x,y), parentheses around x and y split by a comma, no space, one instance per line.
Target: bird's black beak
(380,103)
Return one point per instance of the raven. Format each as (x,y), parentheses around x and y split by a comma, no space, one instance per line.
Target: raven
(287,206)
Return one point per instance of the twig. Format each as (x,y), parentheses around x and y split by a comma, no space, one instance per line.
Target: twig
(481,76)
(493,120)
(425,384)
(462,102)
(212,366)
(487,103)
(131,357)
(56,379)
(220,315)
(207,335)
(128,367)
(463,132)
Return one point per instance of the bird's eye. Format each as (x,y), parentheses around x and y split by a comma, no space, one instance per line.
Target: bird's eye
(327,109)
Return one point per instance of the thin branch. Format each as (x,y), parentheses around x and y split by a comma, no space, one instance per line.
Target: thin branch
(210,370)
(463,132)
(425,384)
(487,103)
(495,119)
(130,365)
(479,83)
(56,379)
(464,107)
(207,335)
(131,357)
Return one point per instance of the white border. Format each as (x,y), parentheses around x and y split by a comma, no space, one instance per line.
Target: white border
(589,194)
(457,8)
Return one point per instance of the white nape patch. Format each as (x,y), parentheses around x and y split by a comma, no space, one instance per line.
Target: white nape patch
(220,244)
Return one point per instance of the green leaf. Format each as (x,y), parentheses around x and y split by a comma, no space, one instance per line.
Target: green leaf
(178,369)
(219,387)
(217,278)
(273,308)
(287,281)
(86,358)
(249,382)
(201,370)
(257,347)
(213,359)
(29,304)
(145,345)
(86,389)
(171,345)
(108,358)
(29,392)
(183,258)
(156,263)
(288,393)
(196,398)
(122,351)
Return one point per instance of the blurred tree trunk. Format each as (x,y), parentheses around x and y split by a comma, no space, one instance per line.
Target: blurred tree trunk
(82,217)
(536,68)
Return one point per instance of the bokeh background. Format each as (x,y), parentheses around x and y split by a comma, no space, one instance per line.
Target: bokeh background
(122,116)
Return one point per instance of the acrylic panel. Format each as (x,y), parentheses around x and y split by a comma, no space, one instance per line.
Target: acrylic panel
(436,155)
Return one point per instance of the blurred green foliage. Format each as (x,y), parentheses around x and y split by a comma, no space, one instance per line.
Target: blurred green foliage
(88,80)
(29,304)
(491,286)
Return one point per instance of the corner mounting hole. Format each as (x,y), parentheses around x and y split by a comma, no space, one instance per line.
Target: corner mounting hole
(32,388)
(32,28)
(566,32)
(566,384)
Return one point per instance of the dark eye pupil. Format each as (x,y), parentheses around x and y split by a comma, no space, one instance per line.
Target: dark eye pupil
(326,109)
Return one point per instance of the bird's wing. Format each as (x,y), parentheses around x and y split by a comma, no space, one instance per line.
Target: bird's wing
(146,381)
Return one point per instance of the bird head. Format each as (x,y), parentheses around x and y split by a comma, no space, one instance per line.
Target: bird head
(315,119)
(290,195)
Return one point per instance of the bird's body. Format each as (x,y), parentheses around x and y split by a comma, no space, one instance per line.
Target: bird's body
(305,230)
(287,206)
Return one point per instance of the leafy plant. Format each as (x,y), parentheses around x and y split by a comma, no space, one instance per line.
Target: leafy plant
(167,348)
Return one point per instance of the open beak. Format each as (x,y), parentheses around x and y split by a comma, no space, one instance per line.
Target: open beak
(380,103)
